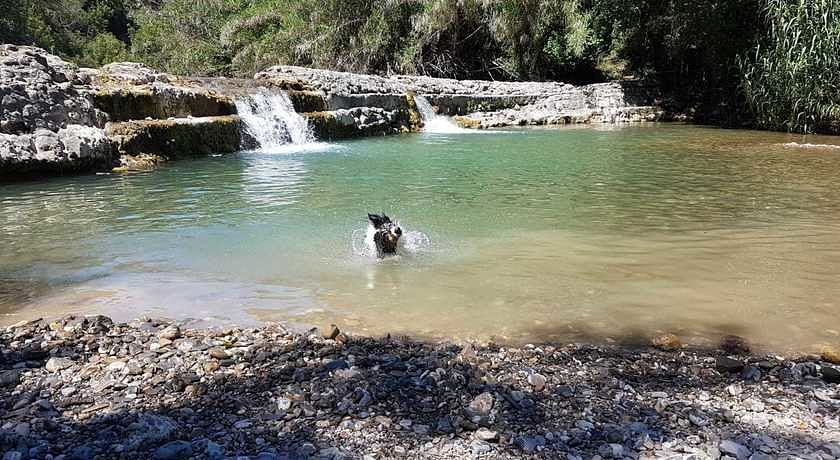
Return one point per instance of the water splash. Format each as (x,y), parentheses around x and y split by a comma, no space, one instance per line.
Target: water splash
(434,123)
(271,122)
(810,146)
(412,242)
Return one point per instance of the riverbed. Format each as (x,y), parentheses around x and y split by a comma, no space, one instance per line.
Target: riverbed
(601,234)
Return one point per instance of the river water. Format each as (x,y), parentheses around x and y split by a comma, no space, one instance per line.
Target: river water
(580,233)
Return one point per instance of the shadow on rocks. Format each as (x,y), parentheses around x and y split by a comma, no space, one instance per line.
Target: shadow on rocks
(95,389)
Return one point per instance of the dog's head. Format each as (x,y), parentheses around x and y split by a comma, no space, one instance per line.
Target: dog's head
(386,233)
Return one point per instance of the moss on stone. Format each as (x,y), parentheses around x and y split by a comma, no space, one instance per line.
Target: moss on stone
(173,139)
(140,103)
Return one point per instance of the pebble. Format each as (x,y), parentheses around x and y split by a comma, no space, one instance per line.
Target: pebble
(479,447)
(218,353)
(330,332)
(485,434)
(58,364)
(170,333)
(9,378)
(830,354)
(830,374)
(728,365)
(481,405)
(174,450)
(734,449)
(734,345)
(537,381)
(666,342)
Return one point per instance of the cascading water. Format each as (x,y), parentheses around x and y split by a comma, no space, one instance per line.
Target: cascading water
(271,121)
(432,122)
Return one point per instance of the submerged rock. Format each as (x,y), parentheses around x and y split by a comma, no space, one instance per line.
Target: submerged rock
(667,342)
(734,345)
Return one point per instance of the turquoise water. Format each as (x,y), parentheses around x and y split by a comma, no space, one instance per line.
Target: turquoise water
(522,235)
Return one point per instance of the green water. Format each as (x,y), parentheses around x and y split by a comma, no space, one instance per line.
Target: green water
(534,234)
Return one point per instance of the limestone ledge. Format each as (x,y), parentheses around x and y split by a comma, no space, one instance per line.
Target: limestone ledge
(478,104)
(132,91)
(73,148)
(176,138)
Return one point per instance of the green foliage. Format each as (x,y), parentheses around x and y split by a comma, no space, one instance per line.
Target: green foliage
(70,28)
(712,57)
(183,36)
(792,81)
(103,49)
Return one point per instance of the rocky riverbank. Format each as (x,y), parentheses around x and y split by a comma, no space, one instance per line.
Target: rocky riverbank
(82,388)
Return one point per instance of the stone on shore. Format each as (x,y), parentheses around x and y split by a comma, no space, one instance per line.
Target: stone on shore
(667,342)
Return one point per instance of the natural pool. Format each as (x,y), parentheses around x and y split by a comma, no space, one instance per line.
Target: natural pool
(584,233)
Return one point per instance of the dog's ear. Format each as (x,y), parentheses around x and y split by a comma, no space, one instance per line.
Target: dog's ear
(386,219)
(375,220)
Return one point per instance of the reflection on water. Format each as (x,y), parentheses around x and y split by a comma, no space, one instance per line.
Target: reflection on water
(532,234)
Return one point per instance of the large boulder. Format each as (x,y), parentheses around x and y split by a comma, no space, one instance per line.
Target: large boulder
(41,91)
(70,149)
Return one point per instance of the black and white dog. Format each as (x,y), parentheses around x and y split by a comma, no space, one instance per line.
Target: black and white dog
(386,234)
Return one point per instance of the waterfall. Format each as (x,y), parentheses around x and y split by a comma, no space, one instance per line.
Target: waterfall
(432,122)
(271,122)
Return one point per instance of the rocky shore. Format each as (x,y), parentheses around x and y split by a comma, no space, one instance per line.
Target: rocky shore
(81,388)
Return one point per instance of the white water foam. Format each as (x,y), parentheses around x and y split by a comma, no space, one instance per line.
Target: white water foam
(811,146)
(434,123)
(411,242)
(270,119)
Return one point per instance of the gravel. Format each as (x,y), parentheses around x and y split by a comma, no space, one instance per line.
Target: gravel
(92,388)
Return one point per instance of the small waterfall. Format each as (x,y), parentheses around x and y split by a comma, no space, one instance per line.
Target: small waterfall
(271,121)
(432,122)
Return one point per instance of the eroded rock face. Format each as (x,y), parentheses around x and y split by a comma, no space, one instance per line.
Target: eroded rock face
(41,91)
(132,91)
(178,138)
(73,148)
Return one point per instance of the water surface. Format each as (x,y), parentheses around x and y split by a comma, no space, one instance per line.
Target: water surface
(585,233)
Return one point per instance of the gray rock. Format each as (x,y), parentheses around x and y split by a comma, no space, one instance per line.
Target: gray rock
(734,449)
(149,429)
(529,444)
(728,365)
(174,450)
(829,374)
(479,447)
(214,451)
(58,364)
(485,434)
(81,453)
(12,455)
(537,381)
(171,332)
(480,406)
(9,378)
(330,332)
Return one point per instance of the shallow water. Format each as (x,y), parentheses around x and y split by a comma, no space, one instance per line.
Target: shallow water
(533,234)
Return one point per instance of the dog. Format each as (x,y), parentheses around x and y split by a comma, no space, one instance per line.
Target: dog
(386,234)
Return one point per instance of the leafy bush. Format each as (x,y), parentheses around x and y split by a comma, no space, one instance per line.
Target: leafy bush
(103,49)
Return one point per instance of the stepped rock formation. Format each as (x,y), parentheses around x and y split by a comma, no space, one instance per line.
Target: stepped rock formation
(58,118)
(476,103)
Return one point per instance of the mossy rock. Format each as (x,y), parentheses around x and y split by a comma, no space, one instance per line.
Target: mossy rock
(143,102)
(307,101)
(173,139)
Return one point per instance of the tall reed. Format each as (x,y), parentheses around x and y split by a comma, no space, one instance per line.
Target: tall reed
(792,81)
